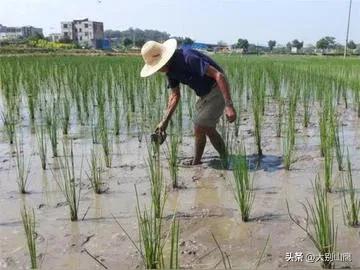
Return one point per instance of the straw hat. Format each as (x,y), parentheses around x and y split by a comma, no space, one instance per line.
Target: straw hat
(156,55)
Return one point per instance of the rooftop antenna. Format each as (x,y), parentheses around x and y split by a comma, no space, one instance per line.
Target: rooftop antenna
(347,31)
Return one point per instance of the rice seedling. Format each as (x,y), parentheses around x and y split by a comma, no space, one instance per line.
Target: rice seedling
(243,188)
(158,192)
(22,166)
(96,170)
(52,127)
(306,101)
(338,144)
(320,224)
(328,162)
(172,157)
(225,258)
(42,145)
(350,202)
(279,117)
(258,92)
(66,181)
(117,114)
(29,222)
(151,241)
(65,118)
(174,247)
(94,128)
(9,121)
(106,143)
(289,140)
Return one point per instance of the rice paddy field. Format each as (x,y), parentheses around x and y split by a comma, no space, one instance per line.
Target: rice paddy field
(83,187)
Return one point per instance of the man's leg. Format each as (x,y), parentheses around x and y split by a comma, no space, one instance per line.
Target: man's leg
(200,142)
(217,141)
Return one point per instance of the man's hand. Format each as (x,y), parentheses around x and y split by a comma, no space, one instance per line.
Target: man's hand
(230,113)
(162,126)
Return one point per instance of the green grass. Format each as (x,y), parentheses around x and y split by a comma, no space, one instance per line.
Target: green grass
(350,202)
(320,223)
(9,121)
(153,238)
(172,157)
(52,127)
(66,180)
(22,166)
(96,169)
(243,186)
(29,223)
(158,192)
(42,145)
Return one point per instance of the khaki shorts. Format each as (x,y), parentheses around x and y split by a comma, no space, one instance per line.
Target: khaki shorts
(209,108)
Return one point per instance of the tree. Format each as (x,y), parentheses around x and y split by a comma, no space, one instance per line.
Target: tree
(221,43)
(243,44)
(351,45)
(139,43)
(188,41)
(127,42)
(326,43)
(271,44)
(297,44)
(288,46)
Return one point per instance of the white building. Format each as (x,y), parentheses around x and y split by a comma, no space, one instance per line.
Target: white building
(10,33)
(83,32)
(55,37)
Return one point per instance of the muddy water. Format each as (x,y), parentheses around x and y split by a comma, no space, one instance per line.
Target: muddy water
(206,205)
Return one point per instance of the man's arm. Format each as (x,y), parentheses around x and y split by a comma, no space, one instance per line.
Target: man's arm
(224,88)
(173,101)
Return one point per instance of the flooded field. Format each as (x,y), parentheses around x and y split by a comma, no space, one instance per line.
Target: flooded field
(302,113)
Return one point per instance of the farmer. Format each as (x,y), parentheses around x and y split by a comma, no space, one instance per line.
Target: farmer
(205,77)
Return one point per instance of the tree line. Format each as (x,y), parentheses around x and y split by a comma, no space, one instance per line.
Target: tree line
(325,43)
(137,37)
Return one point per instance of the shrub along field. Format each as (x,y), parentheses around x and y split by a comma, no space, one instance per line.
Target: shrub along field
(82,186)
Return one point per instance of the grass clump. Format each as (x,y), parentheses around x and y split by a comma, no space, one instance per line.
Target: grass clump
(22,167)
(173,149)
(28,220)
(42,145)
(320,225)
(9,121)
(96,169)
(242,189)
(151,238)
(66,182)
(351,202)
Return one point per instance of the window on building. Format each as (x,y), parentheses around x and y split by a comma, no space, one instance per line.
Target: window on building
(86,25)
(65,25)
(80,37)
(80,30)
(86,34)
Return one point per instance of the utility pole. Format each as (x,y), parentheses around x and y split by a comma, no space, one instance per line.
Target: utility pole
(347,31)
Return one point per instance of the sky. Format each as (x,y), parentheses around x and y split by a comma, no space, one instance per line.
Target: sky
(203,20)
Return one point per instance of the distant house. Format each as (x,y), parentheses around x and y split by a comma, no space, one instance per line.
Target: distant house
(13,32)
(55,37)
(294,50)
(83,32)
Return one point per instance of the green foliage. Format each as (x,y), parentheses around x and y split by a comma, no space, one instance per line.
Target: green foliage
(22,166)
(243,186)
(320,225)
(66,180)
(28,220)
(351,202)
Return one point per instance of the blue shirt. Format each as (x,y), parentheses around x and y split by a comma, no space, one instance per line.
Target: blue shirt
(189,66)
